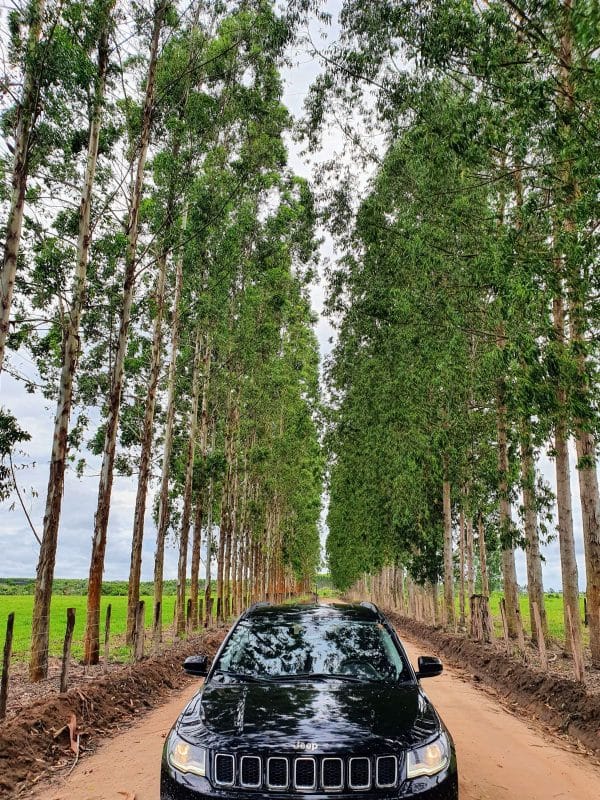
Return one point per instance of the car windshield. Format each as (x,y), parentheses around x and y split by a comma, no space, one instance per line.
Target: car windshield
(312,647)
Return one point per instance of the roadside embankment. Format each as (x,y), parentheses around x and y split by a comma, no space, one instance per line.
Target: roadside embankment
(37,740)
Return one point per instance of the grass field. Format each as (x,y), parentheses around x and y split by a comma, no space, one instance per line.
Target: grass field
(22,605)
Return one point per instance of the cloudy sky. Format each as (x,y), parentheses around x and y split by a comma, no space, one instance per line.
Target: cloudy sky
(18,547)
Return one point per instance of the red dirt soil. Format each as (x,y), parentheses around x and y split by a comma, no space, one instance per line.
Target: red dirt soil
(36,741)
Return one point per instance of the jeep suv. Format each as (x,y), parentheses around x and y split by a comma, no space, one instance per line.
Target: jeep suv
(310,700)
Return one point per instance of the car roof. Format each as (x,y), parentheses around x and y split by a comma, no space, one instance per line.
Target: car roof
(357,612)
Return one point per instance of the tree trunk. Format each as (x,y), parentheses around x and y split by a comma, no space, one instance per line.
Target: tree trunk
(135,568)
(509,573)
(590,513)
(92,643)
(448,562)
(163,499)
(197,538)
(485,581)
(27,113)
(566,539)
(567,272)
(470,558)
(38,665)
(187,491)
(462,545)
(535,584)
(195,564)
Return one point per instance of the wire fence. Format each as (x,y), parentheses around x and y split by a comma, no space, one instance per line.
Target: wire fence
(154,631)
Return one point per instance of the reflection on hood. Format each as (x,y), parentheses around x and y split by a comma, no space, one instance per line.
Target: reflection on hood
(330,714)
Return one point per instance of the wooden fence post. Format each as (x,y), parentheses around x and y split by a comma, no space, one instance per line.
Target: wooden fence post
(138,639)
(188,616)
(156,627)
(540,637)
(585,612)
(520,634)
(107,632)
(64,673)
(10,624)
(200,612)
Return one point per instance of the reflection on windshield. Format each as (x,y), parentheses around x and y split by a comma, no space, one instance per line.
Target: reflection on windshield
(312,646)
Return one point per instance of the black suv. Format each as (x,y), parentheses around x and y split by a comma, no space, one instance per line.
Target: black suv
(310,700)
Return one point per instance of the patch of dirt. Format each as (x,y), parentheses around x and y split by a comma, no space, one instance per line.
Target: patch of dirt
(37,740)
(552,698)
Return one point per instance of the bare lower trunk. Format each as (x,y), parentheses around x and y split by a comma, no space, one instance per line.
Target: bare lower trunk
(566,539)
(462,545)
(38,665)
(590,513)
(485,581)
(470,558)
(195,564)
(27,112)
(509,573)
(92,631)
(535,584)
(135,568)
(448,562)
(187,491)
(163,499)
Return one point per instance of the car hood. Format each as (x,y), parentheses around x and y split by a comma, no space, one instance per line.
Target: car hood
(329,714)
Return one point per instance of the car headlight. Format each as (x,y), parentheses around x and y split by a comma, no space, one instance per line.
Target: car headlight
(429,759)
(186,757)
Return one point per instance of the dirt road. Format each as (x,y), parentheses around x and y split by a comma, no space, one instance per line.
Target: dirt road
(500,756)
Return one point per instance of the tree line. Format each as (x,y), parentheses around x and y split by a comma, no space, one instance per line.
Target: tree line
(157,258)
(466,297)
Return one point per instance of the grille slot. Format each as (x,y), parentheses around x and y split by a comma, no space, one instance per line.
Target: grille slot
(250,771)
(332,773)
(224,769)
(387,772)
(360,773)
(305,773)
(277,773)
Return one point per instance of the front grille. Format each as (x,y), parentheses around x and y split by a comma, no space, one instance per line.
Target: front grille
(387,771)
(332,773)
(327,773)
(250,771)
(277,773)
(305,773)
(360,773)
(224,769)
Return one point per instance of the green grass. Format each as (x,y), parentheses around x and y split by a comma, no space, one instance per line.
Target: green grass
(22,605)
(554,612)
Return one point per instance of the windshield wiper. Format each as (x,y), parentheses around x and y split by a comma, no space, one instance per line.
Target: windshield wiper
(318,676)
(241,676)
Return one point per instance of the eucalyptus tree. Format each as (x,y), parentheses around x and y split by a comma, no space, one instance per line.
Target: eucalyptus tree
(158,19)
(99,31)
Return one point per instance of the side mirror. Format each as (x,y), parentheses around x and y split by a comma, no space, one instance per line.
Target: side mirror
(196,665)
(429,667)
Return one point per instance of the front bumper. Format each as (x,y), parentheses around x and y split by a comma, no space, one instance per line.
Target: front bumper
(175,786)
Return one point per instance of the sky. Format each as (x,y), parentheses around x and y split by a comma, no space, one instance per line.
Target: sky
(18,547)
